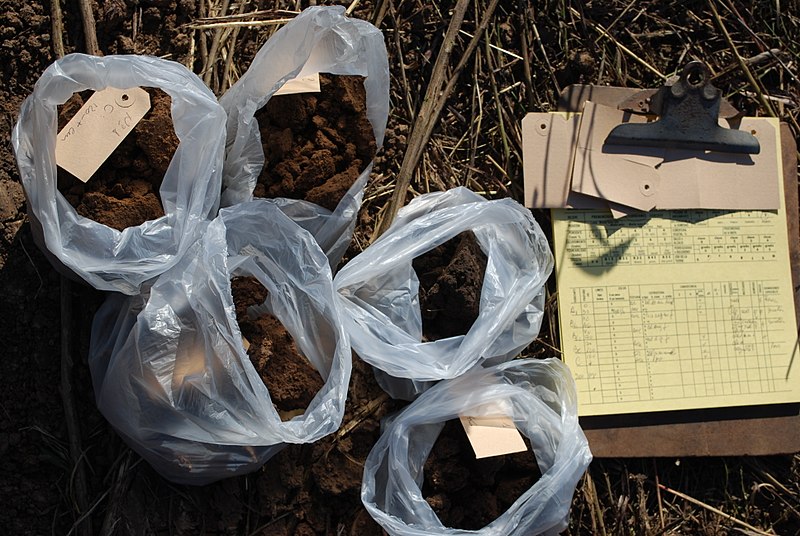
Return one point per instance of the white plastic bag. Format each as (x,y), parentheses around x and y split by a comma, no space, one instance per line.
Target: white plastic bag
(379,289)
(538,395)
(104,257)
(169,367)
(320,39)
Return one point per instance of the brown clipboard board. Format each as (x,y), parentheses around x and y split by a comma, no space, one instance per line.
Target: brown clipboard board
(755,430)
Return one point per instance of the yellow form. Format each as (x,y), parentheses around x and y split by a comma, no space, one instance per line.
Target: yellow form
(677,309)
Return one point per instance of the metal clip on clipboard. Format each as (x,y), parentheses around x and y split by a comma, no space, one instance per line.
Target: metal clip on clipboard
(688,107)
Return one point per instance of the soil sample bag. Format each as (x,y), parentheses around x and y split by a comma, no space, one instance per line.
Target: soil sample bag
(104,257)
(538,395)
(169,367)
(379,290)
(319,40)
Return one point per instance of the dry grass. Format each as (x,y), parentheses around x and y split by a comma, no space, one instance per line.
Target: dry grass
(468,134)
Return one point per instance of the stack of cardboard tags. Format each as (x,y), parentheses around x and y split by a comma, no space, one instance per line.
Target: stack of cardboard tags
(675,266)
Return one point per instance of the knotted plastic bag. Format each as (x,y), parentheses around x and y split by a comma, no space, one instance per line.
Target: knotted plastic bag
(539,396)
(169,368)
(104,257)
(320,39)
(379,290)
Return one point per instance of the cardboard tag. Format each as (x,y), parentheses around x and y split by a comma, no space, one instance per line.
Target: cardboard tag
(548,146)
(98,128)
(492,435)
(303,84)
(246,344)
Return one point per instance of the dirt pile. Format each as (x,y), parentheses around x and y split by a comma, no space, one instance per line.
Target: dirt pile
(290,378)
(124,192)
(468,493)
(315,144)
(306,488)
(450,283)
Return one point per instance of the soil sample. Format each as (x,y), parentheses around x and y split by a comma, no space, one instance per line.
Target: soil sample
(450,282)
(315,144)
(468,493)
(291,380)
(124,191)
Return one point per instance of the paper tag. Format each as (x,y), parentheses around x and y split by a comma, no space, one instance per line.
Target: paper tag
(246,344)
(492,435)
(98,128)
(304,84)
(548,144)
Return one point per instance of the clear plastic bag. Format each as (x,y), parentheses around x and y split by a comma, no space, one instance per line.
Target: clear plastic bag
(104,257)
(320,39)
(169,367)
(379,290)
(538,395)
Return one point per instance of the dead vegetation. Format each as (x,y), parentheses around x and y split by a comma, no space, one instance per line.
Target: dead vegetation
(463,76)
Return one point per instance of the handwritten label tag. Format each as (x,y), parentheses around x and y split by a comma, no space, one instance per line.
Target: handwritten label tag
(98,128)
(492,436)
(304,84)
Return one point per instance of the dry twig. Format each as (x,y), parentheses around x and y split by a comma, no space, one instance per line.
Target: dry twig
(57,21)
(208,68)
(742,64)
(423,126)
(84,524)
(716,511)
(89,28)
(432,105)
(602,31)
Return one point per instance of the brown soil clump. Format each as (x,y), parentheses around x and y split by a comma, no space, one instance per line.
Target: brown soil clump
(290,378)
(124,192)
(315,144)
(468,493)
(305,486)
(450,283)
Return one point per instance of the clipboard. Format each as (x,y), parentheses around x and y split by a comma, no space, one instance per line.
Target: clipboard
(753,430)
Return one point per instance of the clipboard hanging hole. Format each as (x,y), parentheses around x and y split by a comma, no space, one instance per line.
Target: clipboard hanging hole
(753,132)
(543,126)
(125,97)
(695,77)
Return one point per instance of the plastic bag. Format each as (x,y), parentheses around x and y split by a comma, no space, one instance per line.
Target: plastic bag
(538,395)
(169,367)
(379,290)
(104,257)
(320,39)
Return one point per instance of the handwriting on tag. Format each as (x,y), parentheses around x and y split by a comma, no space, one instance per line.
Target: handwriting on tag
(304,84)
(492,436)
(98,128)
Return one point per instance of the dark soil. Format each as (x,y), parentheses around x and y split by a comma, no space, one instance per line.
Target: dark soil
(124,191)
(290,378)
(468,493)
(315,144)
(314,489)
(450,283)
